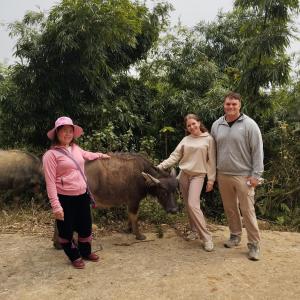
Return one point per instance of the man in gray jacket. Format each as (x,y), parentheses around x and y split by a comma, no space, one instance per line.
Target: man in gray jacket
(239,169)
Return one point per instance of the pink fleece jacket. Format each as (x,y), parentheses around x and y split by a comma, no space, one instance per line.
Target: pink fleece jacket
(62,175)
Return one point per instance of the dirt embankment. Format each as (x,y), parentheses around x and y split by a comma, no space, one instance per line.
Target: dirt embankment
(166,268)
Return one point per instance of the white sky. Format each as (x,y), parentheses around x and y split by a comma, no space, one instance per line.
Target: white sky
(190,12)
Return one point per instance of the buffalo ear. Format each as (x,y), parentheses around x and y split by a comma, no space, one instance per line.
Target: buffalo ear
(150,180)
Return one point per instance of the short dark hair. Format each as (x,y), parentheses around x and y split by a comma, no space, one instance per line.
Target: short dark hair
(233,95)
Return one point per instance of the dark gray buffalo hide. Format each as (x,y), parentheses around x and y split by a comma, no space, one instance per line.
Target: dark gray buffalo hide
(20,171)
(127,179)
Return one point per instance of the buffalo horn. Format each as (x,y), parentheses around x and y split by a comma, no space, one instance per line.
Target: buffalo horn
(150,179)
(173,172)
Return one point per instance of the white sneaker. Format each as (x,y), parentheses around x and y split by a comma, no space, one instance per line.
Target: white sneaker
(208,246)
(254,251)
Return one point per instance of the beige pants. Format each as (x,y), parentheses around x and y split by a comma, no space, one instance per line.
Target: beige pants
(190,188)
(238,200)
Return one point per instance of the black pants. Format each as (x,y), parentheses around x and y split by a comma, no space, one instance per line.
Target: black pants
(77,217)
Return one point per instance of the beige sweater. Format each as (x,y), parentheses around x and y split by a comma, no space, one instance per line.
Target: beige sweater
(196,155)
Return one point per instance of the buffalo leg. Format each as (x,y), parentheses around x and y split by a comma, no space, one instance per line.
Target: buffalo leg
(129,227)
(134,225)
(56,243)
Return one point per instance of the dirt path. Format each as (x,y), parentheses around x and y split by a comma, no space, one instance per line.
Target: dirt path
(167,268)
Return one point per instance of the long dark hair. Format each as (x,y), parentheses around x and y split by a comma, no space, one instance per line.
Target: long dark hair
(194,117)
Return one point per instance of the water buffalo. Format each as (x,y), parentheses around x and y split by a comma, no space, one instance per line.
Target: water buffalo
(127,179)
(20,171)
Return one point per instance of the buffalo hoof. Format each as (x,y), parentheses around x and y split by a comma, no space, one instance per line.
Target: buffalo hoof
(57,246)
(127,230)
(140,237)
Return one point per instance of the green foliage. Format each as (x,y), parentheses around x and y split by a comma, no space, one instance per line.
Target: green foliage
(108,216)
(70,64)
(211,204)
(185,80)
(265,35)
(221,40)
(147,146)
(166,131)
(278,198)
(77,62)
(151,211)
(3,71)
(107,140)
(249,45)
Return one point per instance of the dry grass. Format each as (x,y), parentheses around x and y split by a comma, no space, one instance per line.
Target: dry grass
(29,219)
(35,219)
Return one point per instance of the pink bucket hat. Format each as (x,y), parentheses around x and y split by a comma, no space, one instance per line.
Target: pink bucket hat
(78,131)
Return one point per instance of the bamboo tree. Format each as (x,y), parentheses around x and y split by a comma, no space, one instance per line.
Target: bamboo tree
(265,32)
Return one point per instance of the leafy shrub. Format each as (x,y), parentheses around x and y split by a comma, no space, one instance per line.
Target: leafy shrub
(151,211)
(278,199)
(107,216)
(107,140)
(211,204)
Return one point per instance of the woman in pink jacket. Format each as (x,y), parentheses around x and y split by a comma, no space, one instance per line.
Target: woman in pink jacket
(66,185)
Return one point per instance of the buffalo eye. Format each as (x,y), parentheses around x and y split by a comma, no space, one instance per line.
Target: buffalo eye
(163,193)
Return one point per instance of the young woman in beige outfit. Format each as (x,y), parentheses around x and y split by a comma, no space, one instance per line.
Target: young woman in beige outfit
(197,158)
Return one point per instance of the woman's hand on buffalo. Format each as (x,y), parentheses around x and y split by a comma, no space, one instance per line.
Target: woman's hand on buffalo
(103,156)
